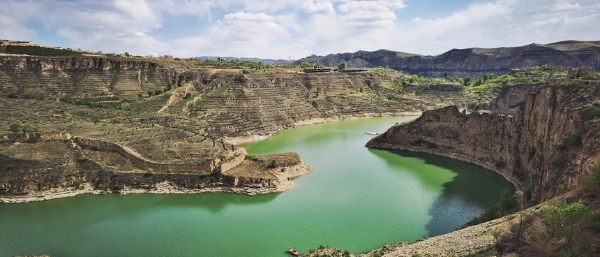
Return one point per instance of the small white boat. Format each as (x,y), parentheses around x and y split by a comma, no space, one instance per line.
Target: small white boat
(372,133)
(292,252)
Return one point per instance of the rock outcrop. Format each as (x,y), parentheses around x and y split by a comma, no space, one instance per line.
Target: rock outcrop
(62,167)
(83,76)
(546,143)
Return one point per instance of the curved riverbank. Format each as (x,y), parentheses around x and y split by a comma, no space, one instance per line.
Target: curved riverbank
(253,138)
(284,183)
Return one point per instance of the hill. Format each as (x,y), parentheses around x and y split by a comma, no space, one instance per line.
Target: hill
(474,62)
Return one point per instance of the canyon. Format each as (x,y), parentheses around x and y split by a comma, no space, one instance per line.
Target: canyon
(128,125)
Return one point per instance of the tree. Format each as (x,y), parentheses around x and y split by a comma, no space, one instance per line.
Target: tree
(15,128)
(273,164)
(127,54)
(467,80)
(445,75)
(479,82)
(307,65)
(565,219)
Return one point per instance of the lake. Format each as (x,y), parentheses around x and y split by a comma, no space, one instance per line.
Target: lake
(356,199)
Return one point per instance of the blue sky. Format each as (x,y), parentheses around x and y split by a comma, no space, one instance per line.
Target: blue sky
(295,28)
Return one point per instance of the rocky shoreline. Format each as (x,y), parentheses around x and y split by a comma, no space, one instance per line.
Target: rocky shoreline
(462,242)
(166,187)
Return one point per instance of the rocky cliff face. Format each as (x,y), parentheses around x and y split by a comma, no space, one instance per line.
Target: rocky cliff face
(546,143)
(82,76)
(510,99)
(475,62)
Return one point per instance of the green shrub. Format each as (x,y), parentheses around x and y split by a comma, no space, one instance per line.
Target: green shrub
(273,164)
(150,172)
(591,181)
(565,219)
(17,128)
(158,91)
(591,112)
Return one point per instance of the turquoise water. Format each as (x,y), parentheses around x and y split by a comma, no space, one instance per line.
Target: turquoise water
(356,199)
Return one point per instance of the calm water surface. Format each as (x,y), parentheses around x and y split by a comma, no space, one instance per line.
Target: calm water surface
(356,199)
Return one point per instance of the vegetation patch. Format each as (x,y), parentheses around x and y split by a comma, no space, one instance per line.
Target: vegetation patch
(591,112)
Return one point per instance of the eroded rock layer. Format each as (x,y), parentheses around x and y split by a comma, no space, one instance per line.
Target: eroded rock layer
(546,143)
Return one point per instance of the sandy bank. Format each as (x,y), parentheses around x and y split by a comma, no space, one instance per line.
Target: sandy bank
(253,138)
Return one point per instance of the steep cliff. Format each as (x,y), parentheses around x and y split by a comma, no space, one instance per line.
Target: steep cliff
(82,76)
(475,62)
(546,143)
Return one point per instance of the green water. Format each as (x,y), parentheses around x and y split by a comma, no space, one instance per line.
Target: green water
(356,199)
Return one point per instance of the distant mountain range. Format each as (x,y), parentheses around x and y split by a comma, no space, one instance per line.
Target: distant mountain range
(473,62)
(241,59)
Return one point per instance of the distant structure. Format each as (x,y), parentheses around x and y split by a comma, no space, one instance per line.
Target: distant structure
(318,69)
(343,66)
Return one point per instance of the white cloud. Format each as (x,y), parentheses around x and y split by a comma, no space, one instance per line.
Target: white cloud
(296,28)
(566,7)
(320,7)
(370,13)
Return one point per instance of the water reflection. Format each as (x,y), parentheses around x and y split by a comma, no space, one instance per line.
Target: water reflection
(467,188)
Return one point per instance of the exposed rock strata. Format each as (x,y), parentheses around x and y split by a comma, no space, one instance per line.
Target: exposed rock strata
(83,76)
(59,169)
(546,142)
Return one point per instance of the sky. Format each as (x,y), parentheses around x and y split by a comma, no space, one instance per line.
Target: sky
(292,29)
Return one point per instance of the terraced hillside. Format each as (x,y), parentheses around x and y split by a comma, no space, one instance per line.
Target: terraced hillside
(178,113)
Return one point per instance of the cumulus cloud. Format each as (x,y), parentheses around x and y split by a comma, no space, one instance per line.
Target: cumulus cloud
(318,7)
(370,13)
